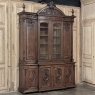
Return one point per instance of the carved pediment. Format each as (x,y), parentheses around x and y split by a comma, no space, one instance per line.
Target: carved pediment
(50,9)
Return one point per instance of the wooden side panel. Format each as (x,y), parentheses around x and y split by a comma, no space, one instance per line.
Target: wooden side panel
(45,78)
(76,40)
(31,40)
(67,41)
(69,75)
(3,47)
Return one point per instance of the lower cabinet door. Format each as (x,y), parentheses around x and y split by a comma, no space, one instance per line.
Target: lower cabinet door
(45,78)
(69,75)
(58,76)
(31,78)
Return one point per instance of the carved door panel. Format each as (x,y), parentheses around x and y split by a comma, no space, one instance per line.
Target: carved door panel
(67,41)
(31,76)
(69,75)
(45,78)
(4,49)
(58,76)
(31,42)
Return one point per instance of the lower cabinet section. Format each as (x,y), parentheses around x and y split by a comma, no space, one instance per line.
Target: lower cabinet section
(28,79)
(46,77)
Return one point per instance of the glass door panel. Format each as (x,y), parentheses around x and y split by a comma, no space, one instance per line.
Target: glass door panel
(43,40)
(56,41)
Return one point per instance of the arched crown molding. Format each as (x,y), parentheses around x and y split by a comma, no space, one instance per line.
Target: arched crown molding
(50,9)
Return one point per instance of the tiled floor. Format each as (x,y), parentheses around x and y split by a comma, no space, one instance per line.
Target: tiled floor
(79,90)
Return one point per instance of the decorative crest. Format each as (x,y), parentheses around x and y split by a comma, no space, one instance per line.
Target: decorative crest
(51,4)
(72,12)
(51,9)
(23,7)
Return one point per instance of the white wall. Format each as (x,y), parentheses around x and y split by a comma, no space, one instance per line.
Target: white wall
(88,41)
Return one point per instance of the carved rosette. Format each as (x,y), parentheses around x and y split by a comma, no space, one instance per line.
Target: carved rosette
(45,77)
(58,75)
(67,26)
(32,78)
(68,74)
(30,23)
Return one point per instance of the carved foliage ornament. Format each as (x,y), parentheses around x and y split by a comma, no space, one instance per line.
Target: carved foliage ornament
(45,76)
(30,24)
(68,74)
(32,78)
(58,74)
(67,26)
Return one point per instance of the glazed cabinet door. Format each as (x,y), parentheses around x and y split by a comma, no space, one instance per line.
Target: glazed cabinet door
(69,75)
(31,78)
(45,78)
(43,40)
(58,77)
(56,40)
(67,41)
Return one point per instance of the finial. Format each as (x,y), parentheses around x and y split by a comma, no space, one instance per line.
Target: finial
(72,12)
(51,4)
(23,7)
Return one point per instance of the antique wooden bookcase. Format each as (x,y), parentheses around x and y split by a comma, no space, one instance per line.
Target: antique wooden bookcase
(46,50)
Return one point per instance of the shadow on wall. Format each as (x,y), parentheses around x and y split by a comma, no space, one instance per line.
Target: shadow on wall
(61,2)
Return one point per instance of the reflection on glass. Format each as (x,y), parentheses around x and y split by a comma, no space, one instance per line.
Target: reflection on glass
(44,41)
(57,41)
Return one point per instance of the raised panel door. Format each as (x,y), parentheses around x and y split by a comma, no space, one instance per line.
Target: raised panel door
(31,40)
(67,41)
(31,78)
(58,79)
(45,78)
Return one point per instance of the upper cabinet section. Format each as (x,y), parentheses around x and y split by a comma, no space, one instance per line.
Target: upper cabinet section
(46,35)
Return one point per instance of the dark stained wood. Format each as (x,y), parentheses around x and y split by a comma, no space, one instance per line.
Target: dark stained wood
(58,77)
(69,72)
(46,50)
(45,78)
